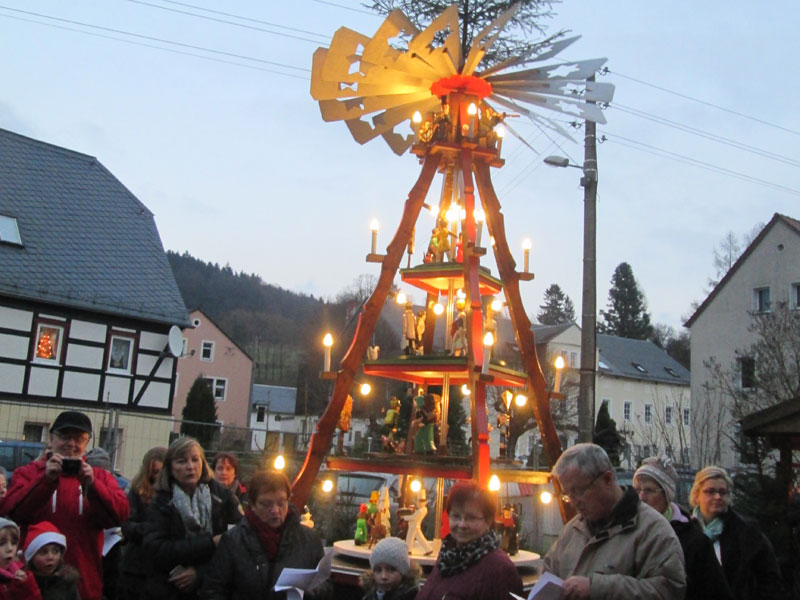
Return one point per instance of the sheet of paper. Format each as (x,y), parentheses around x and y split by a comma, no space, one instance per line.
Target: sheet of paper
(303,580)
(548,587)
(110,538)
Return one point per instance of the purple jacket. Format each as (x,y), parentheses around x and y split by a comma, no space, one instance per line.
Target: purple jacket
(491,578)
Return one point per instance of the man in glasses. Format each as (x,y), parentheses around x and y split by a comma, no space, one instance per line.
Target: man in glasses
(616,546)
(79,499)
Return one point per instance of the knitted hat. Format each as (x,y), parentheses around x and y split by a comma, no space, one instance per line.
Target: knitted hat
(41,534)
(8,523)
(661,470)
(391,551)
(97,457)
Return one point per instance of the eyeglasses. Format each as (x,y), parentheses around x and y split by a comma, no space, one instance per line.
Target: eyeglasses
(647,491)
(467,519)
(76,436)
(577,493)
(716,492)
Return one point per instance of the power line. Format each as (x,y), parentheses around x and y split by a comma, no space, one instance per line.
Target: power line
(155,39)
(641,146)
(171,50)
(358,10)
(705,134)
(215,19)
(699,101)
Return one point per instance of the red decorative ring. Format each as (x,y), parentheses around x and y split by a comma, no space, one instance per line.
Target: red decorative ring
(467,84)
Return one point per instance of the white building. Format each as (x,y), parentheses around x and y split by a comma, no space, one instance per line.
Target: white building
(765,275)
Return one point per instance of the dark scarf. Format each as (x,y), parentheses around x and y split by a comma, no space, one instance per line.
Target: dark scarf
(454,558)
(268,537)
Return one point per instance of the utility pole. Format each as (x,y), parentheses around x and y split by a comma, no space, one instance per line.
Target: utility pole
(589,302)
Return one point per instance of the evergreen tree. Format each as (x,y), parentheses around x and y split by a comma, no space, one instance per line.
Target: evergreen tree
(474,16)
(200,407)
(557,307)
(456,421)
(626,315)
(606,435)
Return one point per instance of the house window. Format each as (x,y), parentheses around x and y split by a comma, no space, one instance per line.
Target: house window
(9,232)
(110,439)
(120,354)
(573,359)
(33,432)
(747,371)
(761,300)
(626,411)
(648,413)
(668,415)
(260,414)
(795,295)
(639,367)
(671,371)
(207,351)
(686,416)
(218,387)
(48,343)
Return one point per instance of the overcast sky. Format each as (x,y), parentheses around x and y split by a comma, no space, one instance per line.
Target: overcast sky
(229,151)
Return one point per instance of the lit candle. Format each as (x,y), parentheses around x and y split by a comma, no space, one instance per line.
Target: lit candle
(472,111)
(501,133)
(494,483)
(374,228)
(479,218)
(416,119)
(327,341)
(488,340)
(526,254)
(280,463)
(559,366)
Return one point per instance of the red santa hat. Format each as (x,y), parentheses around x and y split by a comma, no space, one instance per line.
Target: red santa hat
(40,535)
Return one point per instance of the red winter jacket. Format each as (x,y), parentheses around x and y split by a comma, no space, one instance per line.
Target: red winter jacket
(81,517)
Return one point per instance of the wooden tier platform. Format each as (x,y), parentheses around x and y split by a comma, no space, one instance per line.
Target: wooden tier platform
(436,277)
(448,467)
(430,369)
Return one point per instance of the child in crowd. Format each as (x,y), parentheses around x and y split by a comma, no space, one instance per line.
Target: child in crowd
(15,582)
(393,576)
(44,552)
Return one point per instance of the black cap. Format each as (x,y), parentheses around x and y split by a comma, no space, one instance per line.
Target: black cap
(72,419)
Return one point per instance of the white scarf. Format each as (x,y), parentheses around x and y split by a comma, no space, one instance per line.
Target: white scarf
(195,511)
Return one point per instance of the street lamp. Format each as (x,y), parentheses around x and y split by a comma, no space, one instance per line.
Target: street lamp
(586,391)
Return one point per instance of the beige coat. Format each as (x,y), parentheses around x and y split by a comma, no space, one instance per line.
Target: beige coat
(638,558)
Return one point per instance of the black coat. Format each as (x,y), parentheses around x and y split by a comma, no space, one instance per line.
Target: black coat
(704,576)
(241,570)
(167,545)
(134,560)
(748,560)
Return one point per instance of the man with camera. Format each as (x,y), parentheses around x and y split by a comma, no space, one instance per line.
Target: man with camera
(79,499)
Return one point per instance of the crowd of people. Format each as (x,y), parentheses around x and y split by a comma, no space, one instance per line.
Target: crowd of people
(191,530)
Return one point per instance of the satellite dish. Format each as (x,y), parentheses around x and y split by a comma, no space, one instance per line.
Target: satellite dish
(175,341)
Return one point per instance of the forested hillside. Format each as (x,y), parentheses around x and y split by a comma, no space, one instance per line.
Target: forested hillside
(281,330)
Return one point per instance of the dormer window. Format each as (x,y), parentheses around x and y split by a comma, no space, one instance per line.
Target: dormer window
(671,371)
(9,231)
(639,367)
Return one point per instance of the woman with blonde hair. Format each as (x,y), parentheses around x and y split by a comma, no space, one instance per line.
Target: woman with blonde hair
(133,565)
(745,553)
(185,521)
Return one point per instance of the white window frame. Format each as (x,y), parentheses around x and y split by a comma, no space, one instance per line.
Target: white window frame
(211,346)
(668,415)
(627,407)
(126,369)
(795,296)
(9,230)
(759,305)
(261,414)
(58,347)
(687,417)
(648,413)
(214,383)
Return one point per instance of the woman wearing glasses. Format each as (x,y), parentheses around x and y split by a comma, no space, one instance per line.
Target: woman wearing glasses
(745,553)
(471,564)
